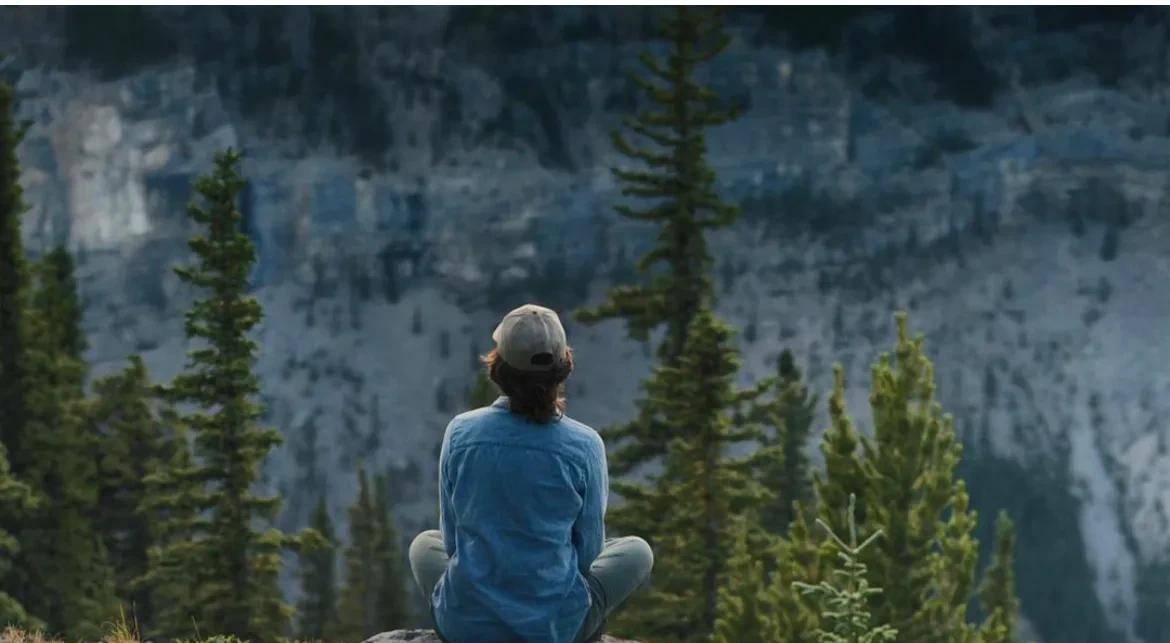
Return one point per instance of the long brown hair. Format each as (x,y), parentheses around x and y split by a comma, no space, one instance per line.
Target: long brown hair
(537,395)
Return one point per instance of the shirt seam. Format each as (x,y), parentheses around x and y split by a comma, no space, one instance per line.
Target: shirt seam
(523,447)
(558,454)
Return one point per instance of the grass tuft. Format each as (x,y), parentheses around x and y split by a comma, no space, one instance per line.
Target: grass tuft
(119,631)
(17,635)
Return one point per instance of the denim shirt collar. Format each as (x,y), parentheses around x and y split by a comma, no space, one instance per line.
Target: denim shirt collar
(502,403)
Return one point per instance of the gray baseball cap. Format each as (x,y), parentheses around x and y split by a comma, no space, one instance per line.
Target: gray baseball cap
(531,338)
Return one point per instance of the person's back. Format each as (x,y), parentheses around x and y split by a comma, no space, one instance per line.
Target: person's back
(513,493)
(521,553)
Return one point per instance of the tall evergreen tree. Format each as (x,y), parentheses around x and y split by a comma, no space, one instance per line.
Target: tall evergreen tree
(799,557)
(68,581)
(843,474)
(318,607)
(699,491)
(904,480)
(789,413)
(680,184)
(13,282)
(128,418)
(357,609)
(679,177)
(748,606)
(392,586)
(172,501)
(997,593)
(796,409)
(14,495)
(16,501)
(374,597)
(231,566)
(756,602)
(56,302)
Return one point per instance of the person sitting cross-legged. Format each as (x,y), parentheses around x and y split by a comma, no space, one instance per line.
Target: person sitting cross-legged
(521,553)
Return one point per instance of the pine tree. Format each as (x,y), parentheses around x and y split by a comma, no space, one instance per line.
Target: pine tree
(13,283)
(318,607)
(230,565)
(356,608)
(374,599)
(59,570)
(843,474)
(699,491)
(172,500)
(391,593)
(796,409)
(844,604)
(16,498)
(997,594)
(127,418)
(905,485)
(684,206)
(68,580)
(798,559)
(789,413)
(57,301)
(679,177)
(748,607)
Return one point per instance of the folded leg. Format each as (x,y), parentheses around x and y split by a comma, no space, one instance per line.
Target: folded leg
(623,566)
(428,561)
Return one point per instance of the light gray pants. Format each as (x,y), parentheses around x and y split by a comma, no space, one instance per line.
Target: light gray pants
(622,567)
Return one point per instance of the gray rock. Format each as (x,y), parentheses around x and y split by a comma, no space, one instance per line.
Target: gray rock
(428,636)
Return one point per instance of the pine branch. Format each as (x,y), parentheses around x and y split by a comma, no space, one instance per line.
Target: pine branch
(844,604)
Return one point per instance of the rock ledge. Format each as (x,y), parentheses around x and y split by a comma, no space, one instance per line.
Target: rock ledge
(428,636)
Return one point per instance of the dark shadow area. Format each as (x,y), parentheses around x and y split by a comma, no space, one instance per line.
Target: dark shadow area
(1054,580)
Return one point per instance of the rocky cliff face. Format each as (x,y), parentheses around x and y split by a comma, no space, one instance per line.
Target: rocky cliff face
(1001,174)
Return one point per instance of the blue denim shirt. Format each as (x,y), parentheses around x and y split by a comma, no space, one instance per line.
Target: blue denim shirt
(522,511)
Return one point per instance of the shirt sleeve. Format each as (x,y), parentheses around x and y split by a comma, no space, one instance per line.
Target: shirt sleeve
(446,514)
(589,530)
